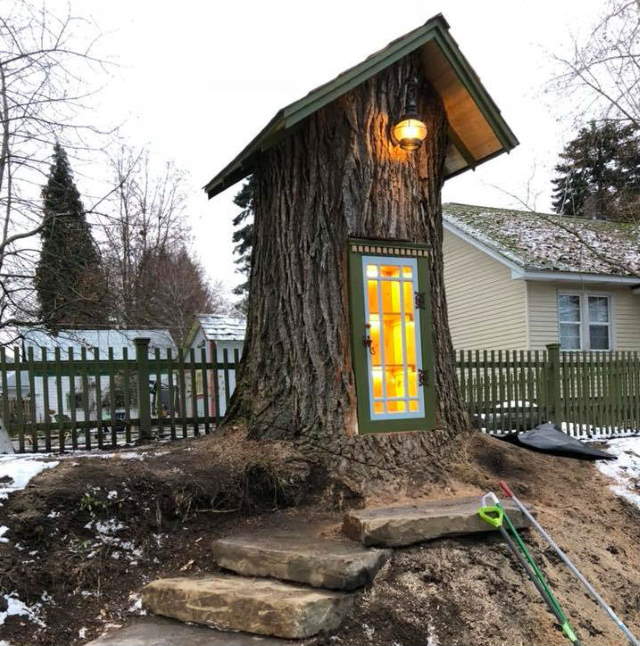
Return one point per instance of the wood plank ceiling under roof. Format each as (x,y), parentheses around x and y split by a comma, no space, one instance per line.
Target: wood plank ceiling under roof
(477,131)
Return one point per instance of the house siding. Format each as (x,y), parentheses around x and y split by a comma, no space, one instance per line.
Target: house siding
(487,308)
(542,298)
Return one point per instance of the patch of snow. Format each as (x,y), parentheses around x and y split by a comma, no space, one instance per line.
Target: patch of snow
(517,403)
(20,469)
(107,528)
(17,607)
(588,431)
(369,631)
(432,639)
(82,633)
(53,514)
(112,495)
(135,607)
(625,470)
(3,530)
(143,454)
(106,535)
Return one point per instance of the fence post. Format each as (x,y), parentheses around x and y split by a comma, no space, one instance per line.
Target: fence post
(142,364)
(554,394)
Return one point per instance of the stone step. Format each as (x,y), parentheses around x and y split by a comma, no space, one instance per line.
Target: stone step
(323,563)
(259,606)
(158,631)
(408,524)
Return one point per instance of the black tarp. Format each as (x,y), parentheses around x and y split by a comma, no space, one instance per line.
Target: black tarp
(548,439)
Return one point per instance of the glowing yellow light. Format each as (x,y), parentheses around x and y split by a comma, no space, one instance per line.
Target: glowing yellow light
(409,133)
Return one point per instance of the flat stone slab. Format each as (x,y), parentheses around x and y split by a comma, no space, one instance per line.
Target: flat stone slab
(408,524)
(323,563)
(158,631)
(259,606)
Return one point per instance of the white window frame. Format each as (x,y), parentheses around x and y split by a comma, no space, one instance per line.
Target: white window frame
(399,262)
(585,337)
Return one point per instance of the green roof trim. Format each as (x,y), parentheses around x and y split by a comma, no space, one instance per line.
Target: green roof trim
(436,29)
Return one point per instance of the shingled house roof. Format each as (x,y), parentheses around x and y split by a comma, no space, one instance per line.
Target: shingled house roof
(550,243)
(220,327)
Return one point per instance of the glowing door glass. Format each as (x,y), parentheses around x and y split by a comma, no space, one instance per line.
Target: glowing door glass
(392,327)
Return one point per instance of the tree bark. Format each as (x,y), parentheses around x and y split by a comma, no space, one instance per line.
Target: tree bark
(340,176)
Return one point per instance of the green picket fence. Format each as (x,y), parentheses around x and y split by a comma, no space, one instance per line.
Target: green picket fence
(591,394)
(82,400)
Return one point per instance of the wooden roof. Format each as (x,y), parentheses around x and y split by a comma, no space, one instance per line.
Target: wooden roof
(477,131)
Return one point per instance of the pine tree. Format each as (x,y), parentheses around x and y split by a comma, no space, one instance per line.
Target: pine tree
(599,173)
(243,237)
(69,280)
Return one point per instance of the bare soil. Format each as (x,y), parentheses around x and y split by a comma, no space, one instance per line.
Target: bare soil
(460,591)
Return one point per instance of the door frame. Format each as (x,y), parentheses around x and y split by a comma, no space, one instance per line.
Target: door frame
(357,307)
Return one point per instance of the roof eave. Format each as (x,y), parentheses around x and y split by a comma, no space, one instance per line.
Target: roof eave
(436,28)
(552,275)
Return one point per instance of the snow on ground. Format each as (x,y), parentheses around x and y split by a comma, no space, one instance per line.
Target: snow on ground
(626,469)
(142,454)
(17,607)
(15,473)
(17,470)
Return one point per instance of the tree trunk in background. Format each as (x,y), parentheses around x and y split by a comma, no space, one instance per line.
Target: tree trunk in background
(339,176)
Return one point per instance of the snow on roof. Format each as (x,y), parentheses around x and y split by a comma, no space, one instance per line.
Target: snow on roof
(220,327)
(101,339)
(546,242)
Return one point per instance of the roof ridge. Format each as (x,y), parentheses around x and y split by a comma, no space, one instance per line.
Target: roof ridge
(504,208)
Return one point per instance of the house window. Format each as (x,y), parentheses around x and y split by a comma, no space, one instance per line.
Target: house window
(584,321)
(391,338)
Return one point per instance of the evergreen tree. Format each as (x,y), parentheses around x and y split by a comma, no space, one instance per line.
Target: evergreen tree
(599,173)
(69,280)
(243,237)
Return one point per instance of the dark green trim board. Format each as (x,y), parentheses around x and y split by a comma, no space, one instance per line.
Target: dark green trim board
(394,249)
(436,30)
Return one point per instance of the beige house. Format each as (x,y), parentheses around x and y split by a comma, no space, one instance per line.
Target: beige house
(521,280)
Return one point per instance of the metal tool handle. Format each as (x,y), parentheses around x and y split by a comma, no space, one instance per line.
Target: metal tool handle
(567,561)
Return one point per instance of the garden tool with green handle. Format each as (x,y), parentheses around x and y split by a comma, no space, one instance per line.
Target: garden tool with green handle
(587,586)
(493,513)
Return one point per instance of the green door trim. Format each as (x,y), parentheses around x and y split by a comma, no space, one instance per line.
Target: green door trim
(389,248)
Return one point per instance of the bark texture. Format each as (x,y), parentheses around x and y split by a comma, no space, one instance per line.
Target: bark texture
(339,176)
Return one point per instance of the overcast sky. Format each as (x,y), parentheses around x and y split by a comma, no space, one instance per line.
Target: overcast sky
(198,79)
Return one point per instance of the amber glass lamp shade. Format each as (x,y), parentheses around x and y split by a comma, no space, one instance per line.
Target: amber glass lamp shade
(409,133)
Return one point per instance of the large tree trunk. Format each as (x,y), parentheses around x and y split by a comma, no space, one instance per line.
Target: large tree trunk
(339,176)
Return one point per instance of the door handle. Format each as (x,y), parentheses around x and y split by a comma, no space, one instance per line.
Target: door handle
(367,341)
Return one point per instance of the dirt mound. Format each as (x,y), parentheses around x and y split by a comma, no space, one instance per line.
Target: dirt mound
(85,536)
(470,590)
